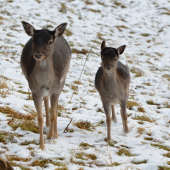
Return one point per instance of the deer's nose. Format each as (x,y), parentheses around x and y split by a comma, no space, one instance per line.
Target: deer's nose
(37,55)
(109,67)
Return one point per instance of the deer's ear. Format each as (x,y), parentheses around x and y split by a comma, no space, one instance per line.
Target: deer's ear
(59,30)
(103,45)
(29,29)
(121,49)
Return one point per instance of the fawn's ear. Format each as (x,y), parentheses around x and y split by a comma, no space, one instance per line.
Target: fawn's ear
(103,45)
(59,30)
(29,29)
(121,49)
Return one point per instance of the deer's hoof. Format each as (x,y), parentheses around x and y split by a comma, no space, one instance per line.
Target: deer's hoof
(49,135)
(126,130)
(55,136)
(47,124)
(42,147)
(114,120)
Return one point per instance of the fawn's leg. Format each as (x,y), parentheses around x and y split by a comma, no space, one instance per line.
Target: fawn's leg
(38,105)
(53,116)
(124,116)
(107,109)
(113,114)
(46,103)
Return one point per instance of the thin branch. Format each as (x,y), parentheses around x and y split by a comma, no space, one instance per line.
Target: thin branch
(66,129)
(85,62)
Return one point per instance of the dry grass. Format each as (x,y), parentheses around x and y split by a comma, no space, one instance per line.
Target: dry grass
(125,152)
(161,146)
(130,104)
(147,84)
(167,105)
(68,33)
(84,125)
(139,162)
(85,145)
(141,109)
(82,51)
(140,130)
(73,87)
(143,118)
(167,154)
(163,168)
(11,158)
(150,102)
(4,87)
(148,138)
(14,114)
(167,76)
(83,156)
(110,143)
(137,72)
(77,82)
(44,162)
(27,125)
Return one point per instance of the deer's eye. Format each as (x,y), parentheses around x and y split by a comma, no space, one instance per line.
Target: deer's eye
(50,42)
(115,59)
(102,59)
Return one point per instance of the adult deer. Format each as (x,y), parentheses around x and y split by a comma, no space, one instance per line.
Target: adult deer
(112,82)
(45,61)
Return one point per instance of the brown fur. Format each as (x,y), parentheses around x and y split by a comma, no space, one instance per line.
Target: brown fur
(45,66)
(112,82)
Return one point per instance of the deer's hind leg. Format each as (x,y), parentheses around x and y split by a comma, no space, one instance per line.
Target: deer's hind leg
(55,122)
(46,103)
(114,118)
(123,105)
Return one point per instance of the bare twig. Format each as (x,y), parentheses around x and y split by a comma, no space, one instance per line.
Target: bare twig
(85,62)
(66,129)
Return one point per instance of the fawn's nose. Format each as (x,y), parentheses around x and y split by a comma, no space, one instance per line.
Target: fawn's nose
(37,55)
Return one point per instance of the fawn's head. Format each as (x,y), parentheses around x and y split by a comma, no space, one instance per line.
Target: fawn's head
(43,40)
(110,57)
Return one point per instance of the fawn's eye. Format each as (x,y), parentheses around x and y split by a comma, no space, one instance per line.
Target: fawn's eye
(115,59)
(50,42)
(102,59)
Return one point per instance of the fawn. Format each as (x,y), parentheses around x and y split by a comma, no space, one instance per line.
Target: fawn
(45,61)
(112,81)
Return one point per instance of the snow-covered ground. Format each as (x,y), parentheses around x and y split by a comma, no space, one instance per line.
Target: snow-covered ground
(144,27)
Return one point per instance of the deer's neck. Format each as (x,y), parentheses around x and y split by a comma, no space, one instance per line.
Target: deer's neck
(110,80)
(44,71)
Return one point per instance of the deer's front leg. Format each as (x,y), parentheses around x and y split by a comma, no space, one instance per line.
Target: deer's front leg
(107,109)
(53,116)
(38,105)
(124,116)
(46,103)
